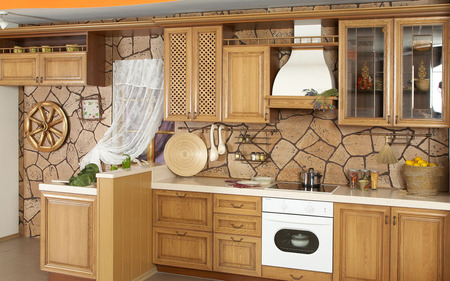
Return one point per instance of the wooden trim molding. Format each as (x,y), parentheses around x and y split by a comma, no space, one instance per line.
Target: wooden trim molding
(154,25)
(9,237)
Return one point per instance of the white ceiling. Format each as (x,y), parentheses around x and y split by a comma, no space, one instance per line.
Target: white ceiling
(37,16)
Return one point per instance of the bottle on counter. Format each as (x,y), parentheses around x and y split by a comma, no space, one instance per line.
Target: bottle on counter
(374,179)
(353,176)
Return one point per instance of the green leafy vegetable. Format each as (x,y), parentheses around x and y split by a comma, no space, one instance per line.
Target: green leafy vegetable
(114,167)
(321,102)
(127,162)
(86,176)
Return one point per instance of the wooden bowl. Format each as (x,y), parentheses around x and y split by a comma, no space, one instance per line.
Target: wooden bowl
(185,154)
(422,84)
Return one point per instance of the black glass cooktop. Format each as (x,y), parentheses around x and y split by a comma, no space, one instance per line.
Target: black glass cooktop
(299,186)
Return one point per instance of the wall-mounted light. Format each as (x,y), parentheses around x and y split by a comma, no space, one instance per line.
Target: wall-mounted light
(3,23)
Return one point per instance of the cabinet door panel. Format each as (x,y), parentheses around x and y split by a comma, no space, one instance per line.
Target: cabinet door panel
(207,73)
(361,242)
(236,224)
(63,68)
(183,248)
(420,245)
(422,88)
(246,83)
(21,69)
(177,73)
(68,242)
(281,273)
(237,254)
(180,209)
(238,205)
(364,72)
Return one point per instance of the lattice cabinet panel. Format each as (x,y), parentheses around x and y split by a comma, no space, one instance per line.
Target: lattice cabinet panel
(177,73)
(193,71)
(207,72)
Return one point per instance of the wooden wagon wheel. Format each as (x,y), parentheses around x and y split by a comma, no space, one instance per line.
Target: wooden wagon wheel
(46,126)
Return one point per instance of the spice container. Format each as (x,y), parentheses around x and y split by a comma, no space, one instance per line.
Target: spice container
(253,156)
(46,49)
(364,185)
(247,138)
(374,179)
(18,50)
(262,156)
(238,155)
(353,176)
(241,138)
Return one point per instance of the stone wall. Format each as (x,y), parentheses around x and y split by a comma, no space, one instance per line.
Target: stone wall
(302,138)
(312,139)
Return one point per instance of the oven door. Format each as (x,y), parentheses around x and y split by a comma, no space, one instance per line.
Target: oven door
(299,242)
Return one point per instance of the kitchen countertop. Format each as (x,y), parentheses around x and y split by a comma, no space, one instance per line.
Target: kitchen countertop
(343,194)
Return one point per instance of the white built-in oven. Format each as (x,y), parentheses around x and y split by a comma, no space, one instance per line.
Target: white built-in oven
(297,234)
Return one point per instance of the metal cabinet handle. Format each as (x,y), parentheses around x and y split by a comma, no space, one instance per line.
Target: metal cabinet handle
(396,119)
(395,220)
(188,114)
(386,219)
(237,206)
(179,234)
(237,227)
(234,240)
(389,119)
(42,79)
(296,278)
(195,114)
(181,195)
(265,117)
(37,79)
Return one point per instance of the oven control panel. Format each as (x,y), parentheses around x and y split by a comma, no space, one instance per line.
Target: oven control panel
(298,207)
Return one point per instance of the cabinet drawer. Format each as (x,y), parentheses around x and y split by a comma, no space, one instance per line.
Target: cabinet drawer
(182,248)
(238,205)
(235,224)
(185,210)
(237,254)
(281,273)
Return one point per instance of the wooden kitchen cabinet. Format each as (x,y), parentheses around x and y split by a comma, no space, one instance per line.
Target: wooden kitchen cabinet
(248,73)
(193,73)
(59,67)
(68,237)
(237,234)
(181,209)
(182,248)
(182,234)
(280,273)
(390,243)
(237,254)
(392,72)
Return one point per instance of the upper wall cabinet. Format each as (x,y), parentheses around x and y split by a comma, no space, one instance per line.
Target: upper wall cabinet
(63,59)
(248,75)
(193,73)
(394,72)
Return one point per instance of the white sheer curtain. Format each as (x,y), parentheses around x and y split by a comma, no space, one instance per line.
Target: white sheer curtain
(138,101)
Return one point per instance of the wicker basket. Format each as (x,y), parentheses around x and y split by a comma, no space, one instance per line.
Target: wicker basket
(423,181)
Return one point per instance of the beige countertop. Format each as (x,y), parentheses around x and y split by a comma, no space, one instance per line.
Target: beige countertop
(343,194)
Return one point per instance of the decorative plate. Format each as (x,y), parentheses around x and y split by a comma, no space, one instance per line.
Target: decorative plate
(185,154)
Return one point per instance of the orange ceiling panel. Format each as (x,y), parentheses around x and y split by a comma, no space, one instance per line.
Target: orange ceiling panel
(49,4)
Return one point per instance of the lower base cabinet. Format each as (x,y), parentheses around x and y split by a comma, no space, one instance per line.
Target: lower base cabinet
(380,243)
(182,248)
(68,234)
(237,254)
(280,273)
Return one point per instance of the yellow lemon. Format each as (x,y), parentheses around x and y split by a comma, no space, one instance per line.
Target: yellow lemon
(423,164)
(417,158)
(409,162)
(416,164)
(431,164)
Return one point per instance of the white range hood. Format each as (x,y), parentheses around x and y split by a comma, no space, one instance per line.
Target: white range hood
(306,68)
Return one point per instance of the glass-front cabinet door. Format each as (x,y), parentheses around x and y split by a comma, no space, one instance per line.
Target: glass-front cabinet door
(365,68)
(421,73)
